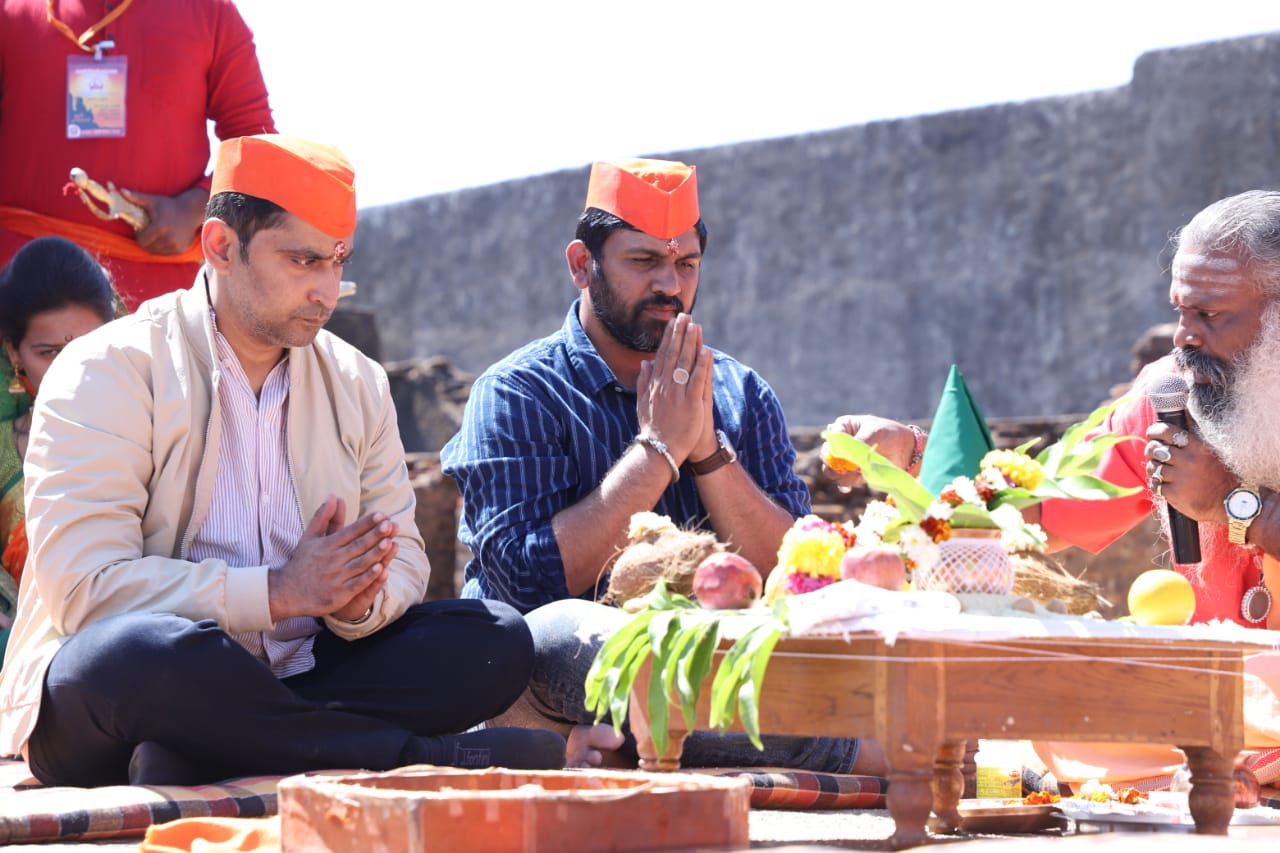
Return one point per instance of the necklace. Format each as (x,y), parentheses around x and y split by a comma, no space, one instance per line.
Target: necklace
(1256,603)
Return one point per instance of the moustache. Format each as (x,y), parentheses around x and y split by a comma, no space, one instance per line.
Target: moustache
(1195,360)
(661,301)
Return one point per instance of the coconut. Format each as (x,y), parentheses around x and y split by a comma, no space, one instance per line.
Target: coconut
(669,553)
(1042,578)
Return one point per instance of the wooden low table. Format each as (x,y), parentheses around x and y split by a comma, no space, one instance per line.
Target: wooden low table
(923,697)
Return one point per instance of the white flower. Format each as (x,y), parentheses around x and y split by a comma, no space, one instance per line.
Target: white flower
(648,522)
(1093,786)
(1016,534)
(918,547)
(875,518)
(966,490)
(940,510)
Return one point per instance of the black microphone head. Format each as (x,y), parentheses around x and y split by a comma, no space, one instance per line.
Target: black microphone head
(1168,392)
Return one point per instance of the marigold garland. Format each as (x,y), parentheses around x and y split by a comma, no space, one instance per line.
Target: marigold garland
(1018,468)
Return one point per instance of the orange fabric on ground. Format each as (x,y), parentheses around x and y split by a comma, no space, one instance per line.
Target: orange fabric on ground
(213,835)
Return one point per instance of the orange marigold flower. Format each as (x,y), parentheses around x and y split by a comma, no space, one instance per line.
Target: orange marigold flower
(949,495)
(838,463)
(939,529)
(986,488)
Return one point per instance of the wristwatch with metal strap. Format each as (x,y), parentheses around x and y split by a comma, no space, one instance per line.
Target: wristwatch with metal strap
(1243,505)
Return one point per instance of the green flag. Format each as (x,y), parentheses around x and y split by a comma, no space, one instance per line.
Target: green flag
(958,438)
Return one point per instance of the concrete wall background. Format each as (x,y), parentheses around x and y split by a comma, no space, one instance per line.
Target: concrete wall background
(1024,242)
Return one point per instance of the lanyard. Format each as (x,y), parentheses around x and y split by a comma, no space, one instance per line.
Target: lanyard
(88,34)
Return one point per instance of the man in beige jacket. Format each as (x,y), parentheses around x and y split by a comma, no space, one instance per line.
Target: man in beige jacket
(198,603)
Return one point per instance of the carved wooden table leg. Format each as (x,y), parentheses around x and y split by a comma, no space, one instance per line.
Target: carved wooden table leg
(948,785)
(639,718)
(1212,798)
(910,800)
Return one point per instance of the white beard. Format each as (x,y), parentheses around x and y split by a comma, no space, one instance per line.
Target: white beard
(1246,433)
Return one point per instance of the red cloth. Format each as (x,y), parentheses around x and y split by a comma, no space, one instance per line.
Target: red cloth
(1220,581)
(188,62)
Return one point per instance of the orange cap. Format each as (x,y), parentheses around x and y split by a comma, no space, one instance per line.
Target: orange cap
(314,182)
(660,197)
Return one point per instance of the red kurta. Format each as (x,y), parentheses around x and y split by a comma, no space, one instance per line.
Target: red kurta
(188,61)
(1227,571)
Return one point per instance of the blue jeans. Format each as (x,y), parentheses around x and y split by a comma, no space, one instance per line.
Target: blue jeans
(566,636)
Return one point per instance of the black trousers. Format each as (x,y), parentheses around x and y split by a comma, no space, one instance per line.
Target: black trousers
(440,669)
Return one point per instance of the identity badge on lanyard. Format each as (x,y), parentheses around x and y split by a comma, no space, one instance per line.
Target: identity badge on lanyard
(96,96)
(96,85)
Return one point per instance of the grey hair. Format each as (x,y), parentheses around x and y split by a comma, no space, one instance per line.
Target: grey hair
(1246,225)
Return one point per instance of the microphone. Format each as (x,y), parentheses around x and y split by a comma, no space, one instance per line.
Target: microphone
(1168,396)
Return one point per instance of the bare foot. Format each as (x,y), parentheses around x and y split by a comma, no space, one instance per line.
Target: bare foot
(587,746)
(871,760)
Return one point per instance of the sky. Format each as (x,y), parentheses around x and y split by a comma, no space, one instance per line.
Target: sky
(428,96)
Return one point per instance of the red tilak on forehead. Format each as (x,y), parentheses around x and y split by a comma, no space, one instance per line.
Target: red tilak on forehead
(673,246)
(340,250)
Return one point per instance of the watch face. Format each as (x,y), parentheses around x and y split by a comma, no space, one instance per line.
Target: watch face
(1242,504)
(726,448)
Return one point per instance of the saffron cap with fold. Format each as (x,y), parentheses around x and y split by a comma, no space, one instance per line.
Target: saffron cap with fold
(660,197)
(314,182)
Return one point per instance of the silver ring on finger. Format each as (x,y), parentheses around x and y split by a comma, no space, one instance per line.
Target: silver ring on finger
(1156,487)
(1161,453)
(680,376)
(1180,438)
(1157,471)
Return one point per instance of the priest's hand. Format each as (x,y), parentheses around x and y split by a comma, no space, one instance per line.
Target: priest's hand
(894,441)
(174,219)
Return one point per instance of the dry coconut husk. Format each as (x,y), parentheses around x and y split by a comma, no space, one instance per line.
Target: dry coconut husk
(1043,579)
(658,551)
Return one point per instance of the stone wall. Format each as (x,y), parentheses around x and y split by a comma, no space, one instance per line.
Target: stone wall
(851,267)
(1024,242)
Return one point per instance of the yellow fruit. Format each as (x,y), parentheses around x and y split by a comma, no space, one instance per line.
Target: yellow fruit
(1161,597)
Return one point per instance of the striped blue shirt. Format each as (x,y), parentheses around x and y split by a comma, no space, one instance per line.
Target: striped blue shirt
(541,429)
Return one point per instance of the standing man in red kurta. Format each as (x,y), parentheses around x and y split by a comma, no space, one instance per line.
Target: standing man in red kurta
(121,89)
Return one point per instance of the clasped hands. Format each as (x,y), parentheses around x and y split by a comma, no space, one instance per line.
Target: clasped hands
(674,392)
(1185,472)
(337,569)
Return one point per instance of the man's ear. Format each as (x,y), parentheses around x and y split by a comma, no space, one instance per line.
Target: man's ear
(219,240)
(579,260)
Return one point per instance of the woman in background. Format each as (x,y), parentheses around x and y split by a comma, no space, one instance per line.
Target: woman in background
(51,292)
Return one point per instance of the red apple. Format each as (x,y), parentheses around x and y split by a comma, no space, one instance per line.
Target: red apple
(725,581)
(880,565)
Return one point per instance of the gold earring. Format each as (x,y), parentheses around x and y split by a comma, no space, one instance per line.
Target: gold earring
(16,386)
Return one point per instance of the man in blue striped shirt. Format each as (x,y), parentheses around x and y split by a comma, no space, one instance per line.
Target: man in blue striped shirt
(623,410)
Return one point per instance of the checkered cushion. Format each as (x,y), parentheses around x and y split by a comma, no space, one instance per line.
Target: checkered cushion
(779,788)
(33,814)
(1265,764)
